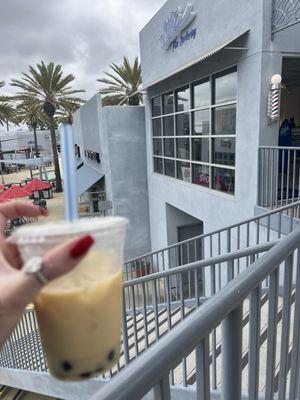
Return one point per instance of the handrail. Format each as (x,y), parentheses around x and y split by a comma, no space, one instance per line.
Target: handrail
(225,228)
(280,147)
(203,263)
(194,329)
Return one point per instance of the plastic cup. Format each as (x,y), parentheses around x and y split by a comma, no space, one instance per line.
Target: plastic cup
(79,313)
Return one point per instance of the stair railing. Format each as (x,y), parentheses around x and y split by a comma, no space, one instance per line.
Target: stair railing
(260,229)
(191,338)
(152,306)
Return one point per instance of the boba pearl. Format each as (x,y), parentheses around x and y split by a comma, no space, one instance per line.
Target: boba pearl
(66,365)
(85,374)
(111,355)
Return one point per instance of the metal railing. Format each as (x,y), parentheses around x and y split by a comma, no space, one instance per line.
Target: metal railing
(152,306)
(244,234)
(279,369)
(285,13)
(279,176)
(147,318)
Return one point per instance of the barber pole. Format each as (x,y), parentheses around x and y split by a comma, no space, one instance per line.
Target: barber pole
(274,98)
(275,103)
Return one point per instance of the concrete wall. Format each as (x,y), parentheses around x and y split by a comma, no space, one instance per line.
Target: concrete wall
(127,173)
(118,135)
(216,24)
(213,208)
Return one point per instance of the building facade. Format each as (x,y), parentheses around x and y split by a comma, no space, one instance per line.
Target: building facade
(207,72)
(111,155)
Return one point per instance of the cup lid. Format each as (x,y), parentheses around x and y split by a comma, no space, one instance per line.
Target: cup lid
(62,228)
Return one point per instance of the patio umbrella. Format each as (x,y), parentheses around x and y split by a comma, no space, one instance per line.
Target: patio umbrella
(14,192)
(36,184)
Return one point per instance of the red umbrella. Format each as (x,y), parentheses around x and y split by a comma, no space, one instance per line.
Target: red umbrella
(14,192)
(36,184)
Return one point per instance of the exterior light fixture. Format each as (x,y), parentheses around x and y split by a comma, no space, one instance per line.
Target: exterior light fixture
(274,98)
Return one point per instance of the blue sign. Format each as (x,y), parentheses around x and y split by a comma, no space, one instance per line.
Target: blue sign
(285,139)
(189,34)
(177,21)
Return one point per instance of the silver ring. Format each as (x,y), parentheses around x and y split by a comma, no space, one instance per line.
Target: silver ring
(34,267)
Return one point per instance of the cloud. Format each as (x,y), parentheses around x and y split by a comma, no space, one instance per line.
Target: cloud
(84,36)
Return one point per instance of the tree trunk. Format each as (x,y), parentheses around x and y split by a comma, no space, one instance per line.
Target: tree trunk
(134,101)
(55,154)
(35,141)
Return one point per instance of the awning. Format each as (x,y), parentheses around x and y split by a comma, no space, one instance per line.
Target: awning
(201,58)
(86,176)
(28,161)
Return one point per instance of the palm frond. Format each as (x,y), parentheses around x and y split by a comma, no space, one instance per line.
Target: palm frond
(122,84)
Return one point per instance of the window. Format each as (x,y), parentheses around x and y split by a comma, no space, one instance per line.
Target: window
(194,132)
(168,103)
(156,106)
(183,99)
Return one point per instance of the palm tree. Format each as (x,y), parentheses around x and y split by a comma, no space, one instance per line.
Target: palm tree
(123,86)
(65,116)
(33,117)
(7,112)
(46,89)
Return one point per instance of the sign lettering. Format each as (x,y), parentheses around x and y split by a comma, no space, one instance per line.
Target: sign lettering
(177,21)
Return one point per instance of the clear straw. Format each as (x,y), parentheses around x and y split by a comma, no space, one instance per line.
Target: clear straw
(70,190)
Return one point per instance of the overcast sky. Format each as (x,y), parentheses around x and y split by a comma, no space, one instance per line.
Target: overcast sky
(84,36)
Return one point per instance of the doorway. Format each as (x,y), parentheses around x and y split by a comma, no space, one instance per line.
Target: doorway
(289,132)
(189,253)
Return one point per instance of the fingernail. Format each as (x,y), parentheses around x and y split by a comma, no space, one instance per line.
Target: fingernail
(43,211)
(81,246)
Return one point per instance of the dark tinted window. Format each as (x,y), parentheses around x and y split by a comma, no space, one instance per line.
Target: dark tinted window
(200,150)
(168,126)
(200,122)
(169,147)
(158,165)
(169,167)
(157,147)
(182,124)
(183,148)
(168,103)
(225,88)
(223,151)
(201,94)
(200,174)
(183,99)
(156,106)
(184,171)
(225,120)
(223,180)
(156,123)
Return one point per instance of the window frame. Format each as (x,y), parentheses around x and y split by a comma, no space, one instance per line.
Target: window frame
(211,107)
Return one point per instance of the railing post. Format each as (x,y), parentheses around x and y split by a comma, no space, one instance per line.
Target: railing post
(232,355)
(202,370)
(162,389)
(124,331)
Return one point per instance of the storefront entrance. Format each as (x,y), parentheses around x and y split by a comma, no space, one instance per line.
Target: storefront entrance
(289,134)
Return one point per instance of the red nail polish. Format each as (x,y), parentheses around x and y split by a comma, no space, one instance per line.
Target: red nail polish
(81,246)
(43,211)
